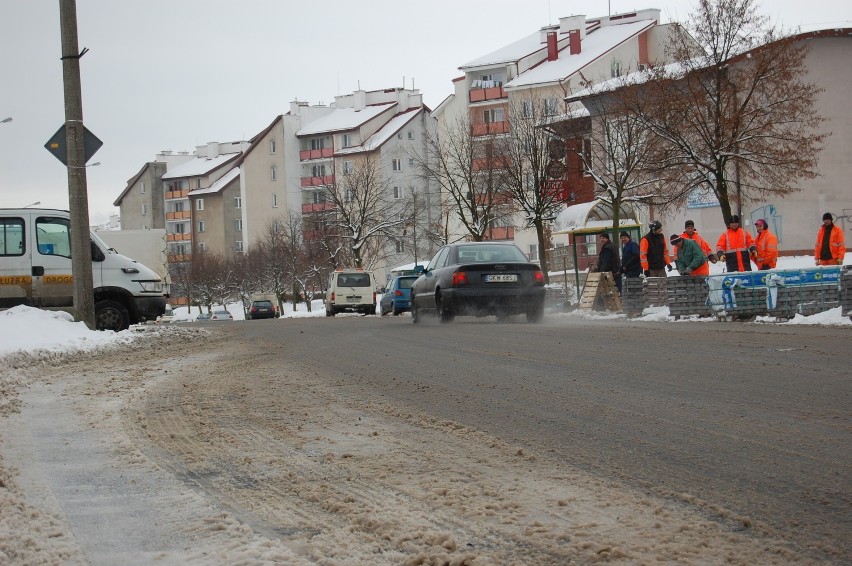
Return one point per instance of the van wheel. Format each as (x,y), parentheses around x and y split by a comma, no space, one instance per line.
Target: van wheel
(111,315)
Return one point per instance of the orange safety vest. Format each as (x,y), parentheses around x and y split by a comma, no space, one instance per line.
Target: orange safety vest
(835,244)
(767,250)
(736,242)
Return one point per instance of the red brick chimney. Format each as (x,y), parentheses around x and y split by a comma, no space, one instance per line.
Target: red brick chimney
(552,49)
(574,42)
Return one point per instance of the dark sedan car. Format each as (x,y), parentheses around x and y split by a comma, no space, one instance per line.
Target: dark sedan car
(262,309)
(479,279)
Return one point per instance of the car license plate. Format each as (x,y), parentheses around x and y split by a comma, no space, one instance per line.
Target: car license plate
(353,298)
(501,278)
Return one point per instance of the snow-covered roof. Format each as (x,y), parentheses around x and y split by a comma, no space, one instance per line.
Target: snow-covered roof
(508,54)
(575,218)
(219,184)
(199,166)
(384,134)
(594,45)
(341,119)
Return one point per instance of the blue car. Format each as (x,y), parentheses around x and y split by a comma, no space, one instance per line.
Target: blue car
(397,297)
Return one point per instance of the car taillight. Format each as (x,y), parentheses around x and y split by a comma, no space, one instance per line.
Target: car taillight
(538,276)
(459,278)
(332,297)
(398,293)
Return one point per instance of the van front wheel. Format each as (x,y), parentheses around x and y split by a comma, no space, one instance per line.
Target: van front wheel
(111,315)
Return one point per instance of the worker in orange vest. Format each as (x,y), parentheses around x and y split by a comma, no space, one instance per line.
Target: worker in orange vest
(830,247)
(735,246)
(690,233)
(653,251)
(767,246)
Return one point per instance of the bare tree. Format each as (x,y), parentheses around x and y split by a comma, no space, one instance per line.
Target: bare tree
(365,212)
(458,162)
(522,158)
(738,117)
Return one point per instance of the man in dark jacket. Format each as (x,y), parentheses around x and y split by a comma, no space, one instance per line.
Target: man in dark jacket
(653,251)
(630,264)
(608,258)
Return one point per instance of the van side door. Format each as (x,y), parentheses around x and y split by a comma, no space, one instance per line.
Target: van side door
(53,285)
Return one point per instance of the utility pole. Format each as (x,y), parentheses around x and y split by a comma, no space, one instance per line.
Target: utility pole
(81,251)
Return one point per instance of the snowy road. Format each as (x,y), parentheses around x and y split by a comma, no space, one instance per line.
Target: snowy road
(345,441)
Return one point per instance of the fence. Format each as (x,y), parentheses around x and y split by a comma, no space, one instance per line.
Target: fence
(778,293)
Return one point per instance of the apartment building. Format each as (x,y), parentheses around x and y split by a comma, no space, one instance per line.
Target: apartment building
(546,66)
(194,177)
(141,204)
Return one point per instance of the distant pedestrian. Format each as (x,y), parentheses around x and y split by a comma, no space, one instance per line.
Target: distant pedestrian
(690,258)
(608,258)
(630,264)
(654,252)
(830,247)
(691,233)
(767,246)
(735,246)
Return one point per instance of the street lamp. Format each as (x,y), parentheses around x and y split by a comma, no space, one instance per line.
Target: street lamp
(6,120)
(36,203)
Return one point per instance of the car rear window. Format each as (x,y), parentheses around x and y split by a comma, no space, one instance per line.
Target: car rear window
(263,303)
(353,280)
(406,282)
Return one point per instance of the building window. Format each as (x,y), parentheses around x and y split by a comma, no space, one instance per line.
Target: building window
(349,195)
(318,143)
(202,247)
(144,209)
(533,255)
(397,164)
(274,200)
(397,192)
(238,202)
(411,162)
(271,146)
(142,187)
(615,69)
(399,247)
(276,227)
(199,204)
(198,183)
(318,171)
(551,106)
(526,109)
(347,140)
(493,115)
(238,225)
(273,171)
(238,246)
(348,168)
(587,155)
(201,226)
(410,135)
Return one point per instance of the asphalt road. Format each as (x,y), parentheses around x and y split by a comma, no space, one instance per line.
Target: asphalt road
(749,424)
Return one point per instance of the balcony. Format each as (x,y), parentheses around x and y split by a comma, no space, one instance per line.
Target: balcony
(170,195)
(317,181)
(491,128)
(313,207)
(483,94)
(309,154)
(178,237)
(496,198)
(182,215)
(179,258)
(496,162)
(501,233)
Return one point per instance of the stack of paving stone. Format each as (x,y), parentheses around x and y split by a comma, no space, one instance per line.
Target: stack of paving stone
(687,296)
(810,300)
(632,296)
(846,291)
(655,292)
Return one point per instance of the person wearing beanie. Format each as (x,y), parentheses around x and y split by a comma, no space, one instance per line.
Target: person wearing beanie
(608,258)
(830,246)
(690,258)
(653,251)
(735,246)
(767,246)
(630,264)
(691,233)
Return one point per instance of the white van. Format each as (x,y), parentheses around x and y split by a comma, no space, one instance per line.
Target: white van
(351,290)
(35,270)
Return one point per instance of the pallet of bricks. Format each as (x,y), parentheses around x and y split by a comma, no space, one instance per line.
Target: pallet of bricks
(655,292)
(846,291)
(687,296)
(632,295)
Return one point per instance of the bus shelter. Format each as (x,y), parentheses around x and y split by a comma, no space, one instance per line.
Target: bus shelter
(580,224)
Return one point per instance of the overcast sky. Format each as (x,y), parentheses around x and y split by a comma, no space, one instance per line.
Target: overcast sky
(170,75)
